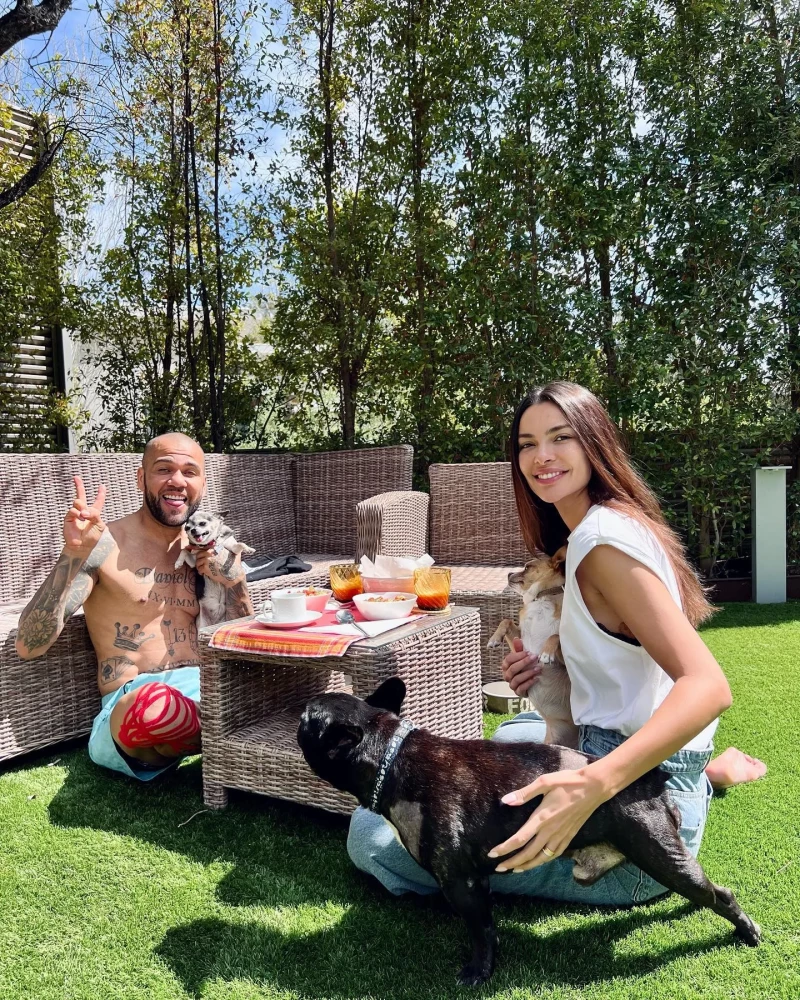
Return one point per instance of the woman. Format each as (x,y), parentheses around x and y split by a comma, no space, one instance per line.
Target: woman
(645,689)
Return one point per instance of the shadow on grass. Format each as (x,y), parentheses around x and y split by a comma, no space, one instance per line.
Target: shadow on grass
(397,950)
(358,941)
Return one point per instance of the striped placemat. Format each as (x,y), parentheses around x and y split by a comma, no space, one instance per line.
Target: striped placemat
(250,637)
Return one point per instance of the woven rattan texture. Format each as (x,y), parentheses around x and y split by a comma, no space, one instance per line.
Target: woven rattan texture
(329,485)
(37,492)
(49,699)
(254,492)
(474,515)
(394,524)
(439,662)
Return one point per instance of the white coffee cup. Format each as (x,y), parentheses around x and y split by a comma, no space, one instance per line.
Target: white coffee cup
(287,607)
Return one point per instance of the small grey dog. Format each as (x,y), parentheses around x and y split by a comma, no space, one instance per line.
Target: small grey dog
(209,531)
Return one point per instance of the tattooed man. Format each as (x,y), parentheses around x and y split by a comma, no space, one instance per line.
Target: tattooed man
(140,611)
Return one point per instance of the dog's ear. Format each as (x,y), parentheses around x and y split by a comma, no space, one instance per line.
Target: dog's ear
(340,740)
(221,514)
(389,695)
(559,558)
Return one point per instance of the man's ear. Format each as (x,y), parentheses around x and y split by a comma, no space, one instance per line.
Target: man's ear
(340,740)
(390,695)
(559,558)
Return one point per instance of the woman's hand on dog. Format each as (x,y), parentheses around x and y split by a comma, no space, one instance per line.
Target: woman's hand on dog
(568,799)
(521,669)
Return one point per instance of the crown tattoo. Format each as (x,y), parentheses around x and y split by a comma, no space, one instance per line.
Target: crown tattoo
(130,638)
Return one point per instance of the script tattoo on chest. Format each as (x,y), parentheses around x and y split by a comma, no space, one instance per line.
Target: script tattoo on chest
(175,589)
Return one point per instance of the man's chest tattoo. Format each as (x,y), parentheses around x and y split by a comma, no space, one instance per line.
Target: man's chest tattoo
(178,634)
(174,589)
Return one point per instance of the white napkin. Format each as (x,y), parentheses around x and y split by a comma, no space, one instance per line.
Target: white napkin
(392,566)
(373,628)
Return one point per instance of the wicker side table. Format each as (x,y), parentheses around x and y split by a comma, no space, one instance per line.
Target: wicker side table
(251,703)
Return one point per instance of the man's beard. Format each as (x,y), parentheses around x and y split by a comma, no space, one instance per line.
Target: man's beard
(169,520)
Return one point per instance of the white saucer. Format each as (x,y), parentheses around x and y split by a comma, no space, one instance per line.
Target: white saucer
(265,618)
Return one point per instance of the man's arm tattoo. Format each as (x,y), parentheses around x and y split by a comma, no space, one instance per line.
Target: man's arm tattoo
(69,584)
(237,601)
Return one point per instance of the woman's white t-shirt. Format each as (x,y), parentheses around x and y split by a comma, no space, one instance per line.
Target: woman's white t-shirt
(615,685)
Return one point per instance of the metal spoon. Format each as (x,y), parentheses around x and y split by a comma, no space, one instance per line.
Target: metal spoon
(346,618)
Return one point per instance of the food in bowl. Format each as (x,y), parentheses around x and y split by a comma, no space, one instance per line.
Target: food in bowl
(316,597)
(380,607)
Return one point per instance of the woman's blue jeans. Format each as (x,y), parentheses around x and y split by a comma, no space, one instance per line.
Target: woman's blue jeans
(374,849)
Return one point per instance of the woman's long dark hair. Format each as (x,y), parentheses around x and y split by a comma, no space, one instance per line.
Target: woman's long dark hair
(613,482)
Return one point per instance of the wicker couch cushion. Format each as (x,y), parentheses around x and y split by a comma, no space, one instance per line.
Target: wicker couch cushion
(474,515)
(37,492)
(255,494)
(328,485)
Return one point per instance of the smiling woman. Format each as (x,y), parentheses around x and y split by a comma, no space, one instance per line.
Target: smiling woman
(645,690)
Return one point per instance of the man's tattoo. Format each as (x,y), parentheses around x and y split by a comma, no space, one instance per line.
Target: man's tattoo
(61,594)
(143,573)
(114,667)
(129,636)
(172,602)
(237,601)
(78,592)
(37,628)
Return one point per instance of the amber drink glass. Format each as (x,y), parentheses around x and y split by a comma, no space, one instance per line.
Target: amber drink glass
(432,587)
(346,582)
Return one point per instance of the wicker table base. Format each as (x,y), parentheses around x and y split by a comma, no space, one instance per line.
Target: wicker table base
(251,703)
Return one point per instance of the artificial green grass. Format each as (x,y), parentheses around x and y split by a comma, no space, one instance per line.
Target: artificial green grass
(105,894)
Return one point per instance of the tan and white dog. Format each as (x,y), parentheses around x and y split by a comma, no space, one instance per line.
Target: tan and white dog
(541,584)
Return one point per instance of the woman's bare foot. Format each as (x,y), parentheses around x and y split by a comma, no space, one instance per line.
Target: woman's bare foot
(733,767)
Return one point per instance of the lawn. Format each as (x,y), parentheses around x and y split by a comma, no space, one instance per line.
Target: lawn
(113,890)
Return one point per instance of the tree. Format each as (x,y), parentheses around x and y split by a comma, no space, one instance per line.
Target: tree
(22,21)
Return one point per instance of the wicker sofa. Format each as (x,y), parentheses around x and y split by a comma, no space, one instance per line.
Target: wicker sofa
(325,507)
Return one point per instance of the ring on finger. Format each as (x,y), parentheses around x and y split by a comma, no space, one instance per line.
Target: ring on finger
(548,853)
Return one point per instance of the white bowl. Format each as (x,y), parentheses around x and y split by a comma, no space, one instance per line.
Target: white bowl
(378,611)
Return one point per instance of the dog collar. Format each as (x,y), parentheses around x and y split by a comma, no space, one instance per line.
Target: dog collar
(551,592)
(391,752)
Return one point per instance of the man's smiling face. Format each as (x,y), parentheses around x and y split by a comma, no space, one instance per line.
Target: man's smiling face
(172,478)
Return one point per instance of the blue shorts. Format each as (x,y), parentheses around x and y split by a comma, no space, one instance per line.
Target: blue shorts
(102,748)
(374,849)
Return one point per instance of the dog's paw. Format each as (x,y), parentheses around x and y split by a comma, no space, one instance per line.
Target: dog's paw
(546,658)
(749,933)
(473,974)
(494,643)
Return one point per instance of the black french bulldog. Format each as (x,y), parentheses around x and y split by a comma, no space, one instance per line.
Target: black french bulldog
(443,797)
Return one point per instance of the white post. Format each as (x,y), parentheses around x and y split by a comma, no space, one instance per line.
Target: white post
(769,534)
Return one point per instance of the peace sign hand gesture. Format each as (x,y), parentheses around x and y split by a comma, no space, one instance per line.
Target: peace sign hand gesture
(83,524)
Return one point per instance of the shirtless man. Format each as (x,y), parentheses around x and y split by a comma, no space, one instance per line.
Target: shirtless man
(140,611)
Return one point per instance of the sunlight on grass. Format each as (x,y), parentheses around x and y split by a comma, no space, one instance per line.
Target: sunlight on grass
(105,895)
